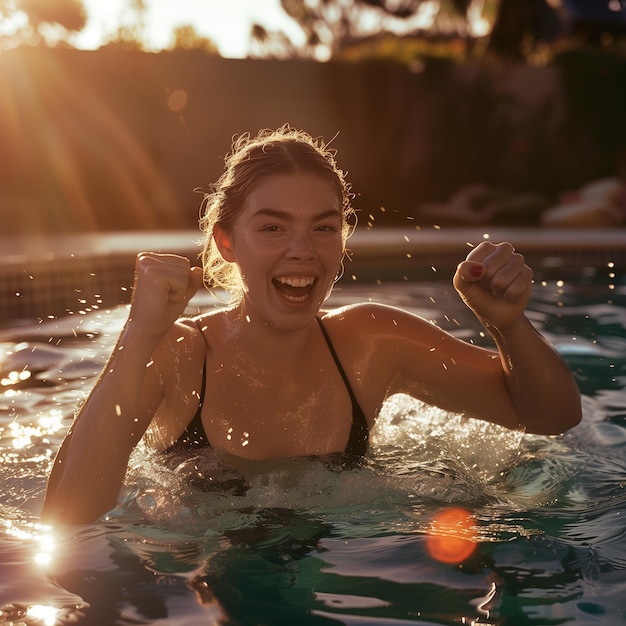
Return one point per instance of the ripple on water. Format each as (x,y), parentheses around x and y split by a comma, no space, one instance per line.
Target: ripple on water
(549,512)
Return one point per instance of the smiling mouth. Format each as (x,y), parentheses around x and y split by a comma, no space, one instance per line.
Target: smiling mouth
(294,288)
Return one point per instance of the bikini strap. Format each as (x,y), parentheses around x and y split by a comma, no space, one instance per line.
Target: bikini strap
(337,361)
(194,436)
(203,388)
(359,432)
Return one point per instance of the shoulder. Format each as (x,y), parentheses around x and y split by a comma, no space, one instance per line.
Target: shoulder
(197,330)
(361,310)
(188,336)
(375,318)
(184,334)
(380,345)
(378,329)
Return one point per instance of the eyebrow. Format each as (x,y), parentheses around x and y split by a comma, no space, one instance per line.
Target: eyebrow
(278,214)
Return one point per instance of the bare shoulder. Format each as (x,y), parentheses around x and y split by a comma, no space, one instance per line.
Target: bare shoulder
(184,336)
(183,349)
(361,311)
(387,350)
(375,318)
(380,329)
(177,369)
(192,335)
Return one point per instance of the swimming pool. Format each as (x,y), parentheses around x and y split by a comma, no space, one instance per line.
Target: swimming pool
(446,521)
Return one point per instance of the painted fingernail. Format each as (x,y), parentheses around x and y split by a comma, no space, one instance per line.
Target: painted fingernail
(476,270)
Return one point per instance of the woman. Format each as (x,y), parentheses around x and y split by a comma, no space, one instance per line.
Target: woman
(271,375)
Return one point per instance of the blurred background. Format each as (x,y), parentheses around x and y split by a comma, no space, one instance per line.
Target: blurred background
(442,111)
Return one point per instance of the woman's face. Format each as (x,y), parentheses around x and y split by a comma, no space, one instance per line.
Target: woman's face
(287,242)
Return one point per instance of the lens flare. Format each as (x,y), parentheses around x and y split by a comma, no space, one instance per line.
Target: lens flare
(452,536)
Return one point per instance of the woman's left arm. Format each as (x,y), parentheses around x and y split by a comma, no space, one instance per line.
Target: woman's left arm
(495,283)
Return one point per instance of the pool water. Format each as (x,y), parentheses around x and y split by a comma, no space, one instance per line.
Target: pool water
(448,521)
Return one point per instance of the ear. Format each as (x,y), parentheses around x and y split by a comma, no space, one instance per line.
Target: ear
(224,243)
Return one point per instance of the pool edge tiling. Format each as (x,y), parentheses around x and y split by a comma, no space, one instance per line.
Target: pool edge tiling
(51,276)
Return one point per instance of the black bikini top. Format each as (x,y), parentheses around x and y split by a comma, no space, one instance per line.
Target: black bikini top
(194,435)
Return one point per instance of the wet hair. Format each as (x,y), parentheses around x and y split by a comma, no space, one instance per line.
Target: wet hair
(251,161)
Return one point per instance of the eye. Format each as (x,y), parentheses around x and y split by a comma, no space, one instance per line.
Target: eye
(327,228)
(271,228)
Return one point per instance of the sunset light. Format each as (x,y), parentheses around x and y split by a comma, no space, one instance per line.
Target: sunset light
(312,312)
(227,24)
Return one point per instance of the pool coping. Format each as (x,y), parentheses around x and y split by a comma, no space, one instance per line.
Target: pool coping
(49,276)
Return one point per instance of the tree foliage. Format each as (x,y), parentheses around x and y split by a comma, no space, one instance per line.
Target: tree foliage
(327,27)
(331,27)
(518,30)
(130,34)
(186,37)
(68,15)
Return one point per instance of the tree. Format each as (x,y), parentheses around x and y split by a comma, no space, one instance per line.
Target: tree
(330,27)
(130,35)
(44,20)
(273,44)
(519,30)
(519,27)
(327,27)
(187,38)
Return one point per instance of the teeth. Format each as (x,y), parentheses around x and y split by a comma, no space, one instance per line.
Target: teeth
(296,281)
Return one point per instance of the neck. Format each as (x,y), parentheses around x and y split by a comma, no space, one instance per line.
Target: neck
(261,337)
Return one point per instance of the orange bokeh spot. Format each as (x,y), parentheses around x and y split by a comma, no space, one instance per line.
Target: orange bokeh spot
(452,538)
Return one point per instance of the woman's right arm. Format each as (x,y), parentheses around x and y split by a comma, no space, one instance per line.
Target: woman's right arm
(91,464)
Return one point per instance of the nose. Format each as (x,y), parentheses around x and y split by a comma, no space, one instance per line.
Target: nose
(301,247)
